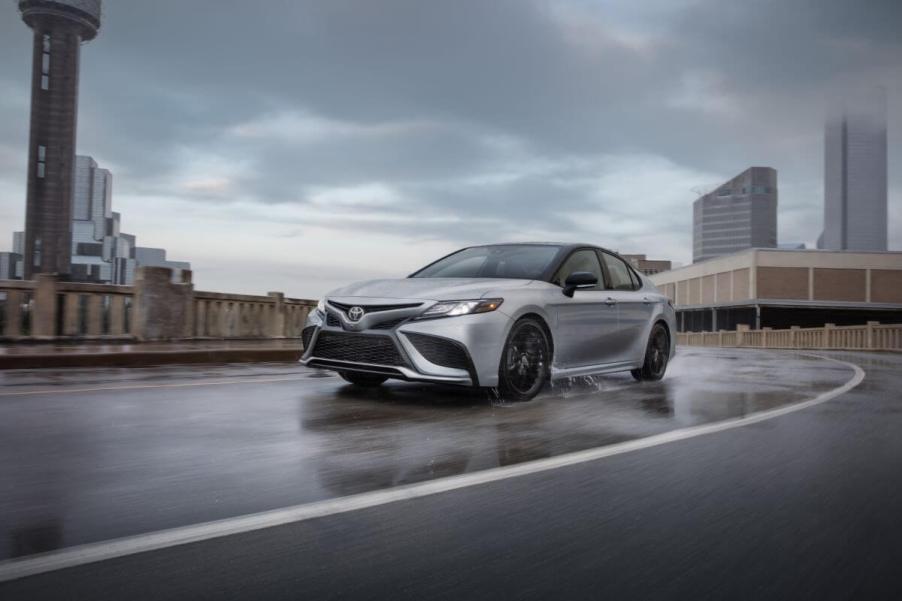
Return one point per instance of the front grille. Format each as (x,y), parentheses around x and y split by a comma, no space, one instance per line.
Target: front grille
(440,351)
(358,348)
(332,320)
(306,335)
(373,308)
(390,324)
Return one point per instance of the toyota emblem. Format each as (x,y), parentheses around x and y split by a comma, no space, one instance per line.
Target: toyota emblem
(355,313)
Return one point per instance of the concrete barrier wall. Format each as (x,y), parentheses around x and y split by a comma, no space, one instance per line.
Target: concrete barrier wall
(873,336)
(155,308)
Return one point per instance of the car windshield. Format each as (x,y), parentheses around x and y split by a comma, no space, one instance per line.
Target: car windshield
(520,261)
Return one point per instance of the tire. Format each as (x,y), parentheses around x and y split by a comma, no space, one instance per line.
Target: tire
(523,370)
(361,379)
(657,355)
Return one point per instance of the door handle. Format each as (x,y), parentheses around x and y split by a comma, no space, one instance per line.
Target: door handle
(610,301)
(646,300)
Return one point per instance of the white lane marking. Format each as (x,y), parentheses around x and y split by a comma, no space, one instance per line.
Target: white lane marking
(142,543)
(51,391)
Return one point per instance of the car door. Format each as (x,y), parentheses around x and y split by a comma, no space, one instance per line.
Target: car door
(585,319)
(634,308)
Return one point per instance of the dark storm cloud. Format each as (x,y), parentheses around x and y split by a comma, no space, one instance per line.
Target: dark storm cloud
(490,117)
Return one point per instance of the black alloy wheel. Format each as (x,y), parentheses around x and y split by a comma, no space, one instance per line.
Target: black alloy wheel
(524,361)
(657,355)
(362,379)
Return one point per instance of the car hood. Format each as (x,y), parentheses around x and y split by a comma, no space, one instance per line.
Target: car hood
(427,288)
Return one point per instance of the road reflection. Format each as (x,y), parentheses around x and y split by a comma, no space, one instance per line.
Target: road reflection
(405,433)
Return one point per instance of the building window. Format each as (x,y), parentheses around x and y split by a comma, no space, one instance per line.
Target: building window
(42,160)
(45,64)
(36,255)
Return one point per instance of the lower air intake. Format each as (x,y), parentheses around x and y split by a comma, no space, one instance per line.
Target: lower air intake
(357,348)
(440,351)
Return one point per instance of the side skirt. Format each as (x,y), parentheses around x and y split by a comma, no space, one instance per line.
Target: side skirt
(592,370)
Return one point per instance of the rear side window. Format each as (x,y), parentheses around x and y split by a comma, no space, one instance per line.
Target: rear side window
(621,277)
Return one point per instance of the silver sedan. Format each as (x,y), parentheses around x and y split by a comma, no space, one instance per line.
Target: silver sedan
(506,316)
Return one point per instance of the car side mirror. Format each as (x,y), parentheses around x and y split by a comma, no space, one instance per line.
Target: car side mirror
(578,280)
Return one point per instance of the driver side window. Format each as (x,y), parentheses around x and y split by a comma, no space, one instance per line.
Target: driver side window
(580,260)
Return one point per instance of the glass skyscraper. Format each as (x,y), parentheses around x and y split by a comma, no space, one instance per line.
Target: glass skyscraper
(855,174)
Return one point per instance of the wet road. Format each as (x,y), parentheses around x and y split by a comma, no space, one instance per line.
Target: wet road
(797,501)
(99,454)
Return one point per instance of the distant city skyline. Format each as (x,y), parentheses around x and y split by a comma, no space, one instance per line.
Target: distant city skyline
(70,227)
(378,138)
(100,252)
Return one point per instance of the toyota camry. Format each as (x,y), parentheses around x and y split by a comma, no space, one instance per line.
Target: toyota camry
(505,316)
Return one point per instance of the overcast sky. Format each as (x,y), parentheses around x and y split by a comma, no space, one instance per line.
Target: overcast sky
(298,145)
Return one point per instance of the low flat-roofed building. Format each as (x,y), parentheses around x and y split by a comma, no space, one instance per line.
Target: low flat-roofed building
(783,288)
(647,266)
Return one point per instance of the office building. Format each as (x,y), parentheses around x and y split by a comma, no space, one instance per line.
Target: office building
(156,257)
(855,174)
(8,263)
(740,214)
(647,266)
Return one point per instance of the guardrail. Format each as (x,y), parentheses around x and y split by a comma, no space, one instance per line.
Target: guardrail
(155,308)
(872,336)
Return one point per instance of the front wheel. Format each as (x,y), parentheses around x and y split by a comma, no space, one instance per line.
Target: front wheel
(524,361)
(359,379)
(657,354)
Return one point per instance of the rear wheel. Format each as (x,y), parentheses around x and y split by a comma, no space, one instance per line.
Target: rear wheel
(360,379)
(657,355)
(524,361)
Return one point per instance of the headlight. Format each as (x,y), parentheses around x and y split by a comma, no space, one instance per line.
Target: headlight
(321,307)
(461,307)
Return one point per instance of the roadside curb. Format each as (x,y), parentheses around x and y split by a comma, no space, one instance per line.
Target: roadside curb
(147,358)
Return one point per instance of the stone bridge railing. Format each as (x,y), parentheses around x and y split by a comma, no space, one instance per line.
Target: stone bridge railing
(155,308)
(872,336)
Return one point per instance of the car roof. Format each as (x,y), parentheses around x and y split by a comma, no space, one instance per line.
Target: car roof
(566,245)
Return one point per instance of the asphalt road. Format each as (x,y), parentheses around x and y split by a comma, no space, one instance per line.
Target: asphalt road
(806,505)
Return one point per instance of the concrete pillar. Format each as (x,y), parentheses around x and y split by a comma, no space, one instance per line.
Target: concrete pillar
(741,329)
(870,335)
(71,314)
(46,305)
(95,315)
(213,310)
(276,323)
(794,336)
(12,318)
(200,318)
(117,315)
(225,319)
(257,320)
(827,340)
(162,310)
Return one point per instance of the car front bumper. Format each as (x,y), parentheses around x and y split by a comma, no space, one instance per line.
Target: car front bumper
(463,350)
